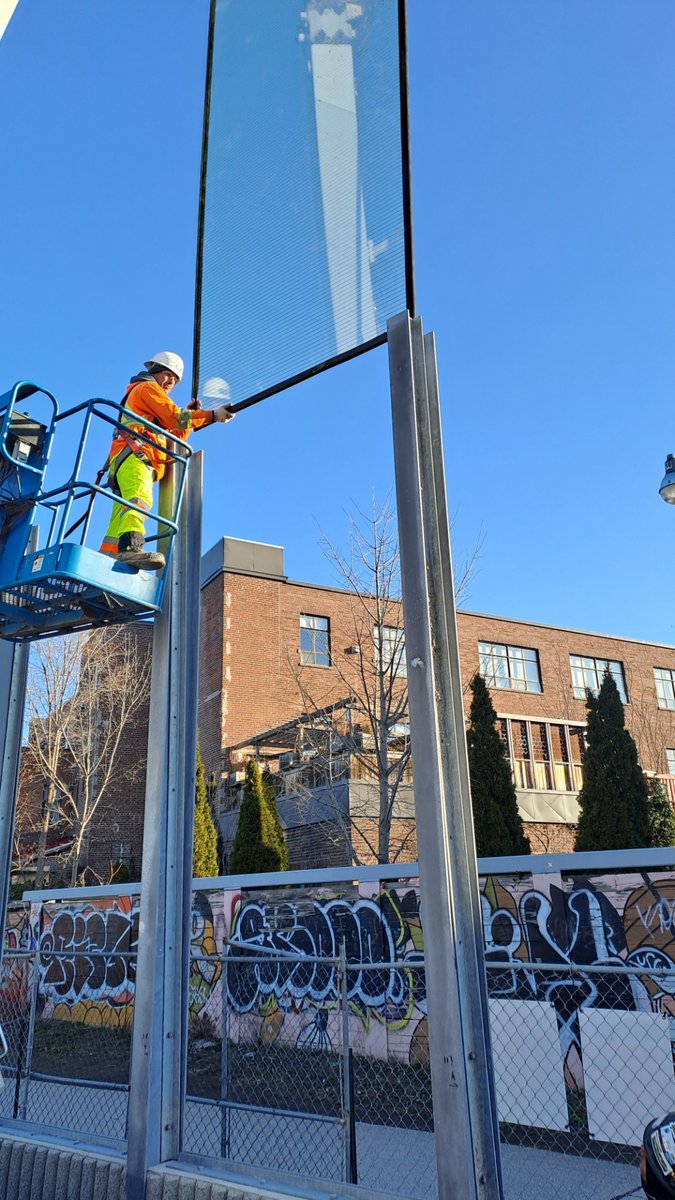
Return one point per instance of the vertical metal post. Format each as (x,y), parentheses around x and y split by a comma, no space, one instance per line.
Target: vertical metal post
(159,1041)
(350,1168)
(30,1034)
(224,1064)
(467,1145)
(13,676)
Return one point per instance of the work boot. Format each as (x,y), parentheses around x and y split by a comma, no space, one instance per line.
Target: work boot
(132,554)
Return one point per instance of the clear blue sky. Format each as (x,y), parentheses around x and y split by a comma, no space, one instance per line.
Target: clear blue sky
(544,189)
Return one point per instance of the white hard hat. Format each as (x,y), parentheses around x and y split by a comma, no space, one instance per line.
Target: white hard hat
(166,358)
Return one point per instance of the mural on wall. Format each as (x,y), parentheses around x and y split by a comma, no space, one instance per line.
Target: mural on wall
(566,923)
(14,985)
(602,921)
(87,961)
(300,1002)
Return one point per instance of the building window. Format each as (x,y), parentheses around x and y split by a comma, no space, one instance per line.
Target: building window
(670,757)
(545,756)
(314,641)
(515,668)
(393,648)
(664,679)
(588,674)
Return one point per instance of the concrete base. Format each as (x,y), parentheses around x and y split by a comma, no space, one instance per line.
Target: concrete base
(32,1170)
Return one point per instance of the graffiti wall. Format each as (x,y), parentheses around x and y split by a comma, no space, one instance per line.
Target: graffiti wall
(17,941)
(564,922)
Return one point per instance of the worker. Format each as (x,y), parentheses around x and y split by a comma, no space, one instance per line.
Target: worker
(134,464)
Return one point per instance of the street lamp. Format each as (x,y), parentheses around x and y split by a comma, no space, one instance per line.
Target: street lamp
(667,488)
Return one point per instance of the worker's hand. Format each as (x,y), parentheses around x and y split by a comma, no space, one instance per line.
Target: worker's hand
(223,413)
(196,403)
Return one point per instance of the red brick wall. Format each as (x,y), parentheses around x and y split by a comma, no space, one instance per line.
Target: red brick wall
(254,624)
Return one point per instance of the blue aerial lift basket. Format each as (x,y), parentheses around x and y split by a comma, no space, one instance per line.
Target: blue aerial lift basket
(64,585)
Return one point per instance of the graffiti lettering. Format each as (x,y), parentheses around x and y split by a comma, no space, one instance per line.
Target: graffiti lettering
(84,955)
(372,932)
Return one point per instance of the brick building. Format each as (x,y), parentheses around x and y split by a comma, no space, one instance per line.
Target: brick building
(277,652)
(268,642)
(46,824)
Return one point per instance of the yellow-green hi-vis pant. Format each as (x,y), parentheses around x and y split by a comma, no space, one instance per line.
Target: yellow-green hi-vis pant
(134,480)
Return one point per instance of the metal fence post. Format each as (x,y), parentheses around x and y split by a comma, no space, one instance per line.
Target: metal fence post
(30,1034)
(351,1171)
(13,676)
(224,1065)
(467,1145)
(159,1039)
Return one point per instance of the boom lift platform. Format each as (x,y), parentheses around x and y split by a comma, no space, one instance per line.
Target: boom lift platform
(63,585)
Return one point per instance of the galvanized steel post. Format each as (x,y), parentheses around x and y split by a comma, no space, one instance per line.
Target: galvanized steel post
(159,1043)
(13,673)
(467,1142)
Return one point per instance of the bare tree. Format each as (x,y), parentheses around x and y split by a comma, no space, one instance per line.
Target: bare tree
(374,732)
(84,691)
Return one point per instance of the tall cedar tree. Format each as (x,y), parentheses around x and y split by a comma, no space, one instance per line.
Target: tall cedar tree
(270,792)
(205,852)
(613,799)
(497,822)
(256,844)
(661,815)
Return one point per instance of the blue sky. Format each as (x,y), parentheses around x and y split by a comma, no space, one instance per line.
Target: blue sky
(544,190)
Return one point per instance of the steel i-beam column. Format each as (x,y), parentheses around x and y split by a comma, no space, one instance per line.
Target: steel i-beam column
(467,1141)
(159,1042)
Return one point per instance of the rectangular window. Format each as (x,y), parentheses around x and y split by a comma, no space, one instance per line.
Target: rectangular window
(120,852)
(393,648)
(544,755)
(314,641)
(670,756)
(588,674)
(664,679)
(515,668)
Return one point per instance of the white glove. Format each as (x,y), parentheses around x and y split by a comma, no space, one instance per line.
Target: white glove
(223,413)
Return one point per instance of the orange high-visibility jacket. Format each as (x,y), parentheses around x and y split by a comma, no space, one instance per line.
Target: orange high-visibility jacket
(147,399)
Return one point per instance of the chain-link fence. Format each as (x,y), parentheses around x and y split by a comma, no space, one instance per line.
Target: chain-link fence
(67,1064)
(319,1067)
(583,1059)
(305,1065)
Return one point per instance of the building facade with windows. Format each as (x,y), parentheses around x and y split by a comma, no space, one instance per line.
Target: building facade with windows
(274,649)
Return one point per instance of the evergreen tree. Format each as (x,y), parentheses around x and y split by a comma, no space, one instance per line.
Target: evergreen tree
(661,815)
(204,855)
(497,822)
(613,799)
(256,845)
(270,793)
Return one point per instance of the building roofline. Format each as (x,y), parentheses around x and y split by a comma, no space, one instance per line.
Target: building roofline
(463,612)
(612,637)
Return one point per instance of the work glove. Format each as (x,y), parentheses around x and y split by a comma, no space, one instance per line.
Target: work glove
(223,413)
(195,403)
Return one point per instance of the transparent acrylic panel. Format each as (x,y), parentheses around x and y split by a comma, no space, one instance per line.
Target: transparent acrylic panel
(304,223)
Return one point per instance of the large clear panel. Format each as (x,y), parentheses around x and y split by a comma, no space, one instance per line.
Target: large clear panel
(305,227)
